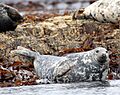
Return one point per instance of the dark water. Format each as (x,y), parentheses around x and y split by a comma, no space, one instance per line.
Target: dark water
(48,7)
(84,88)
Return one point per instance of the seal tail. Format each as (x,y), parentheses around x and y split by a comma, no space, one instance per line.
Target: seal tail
(24,51)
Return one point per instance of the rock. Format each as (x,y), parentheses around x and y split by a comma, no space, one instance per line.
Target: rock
(9,18)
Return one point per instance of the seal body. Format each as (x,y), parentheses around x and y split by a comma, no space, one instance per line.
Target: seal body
(103,11)
(9,18)
(92,65)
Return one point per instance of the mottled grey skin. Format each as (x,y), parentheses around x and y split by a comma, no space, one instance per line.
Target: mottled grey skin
(103,11)
(92,65)
(9,18)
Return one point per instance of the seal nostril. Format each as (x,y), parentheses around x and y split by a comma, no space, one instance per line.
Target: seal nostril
(104,55)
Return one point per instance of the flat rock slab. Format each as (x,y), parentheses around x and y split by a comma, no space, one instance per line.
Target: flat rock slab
(83,88)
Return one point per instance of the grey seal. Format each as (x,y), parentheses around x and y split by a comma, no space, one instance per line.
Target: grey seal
(101,10)
(9,18)
(91,65)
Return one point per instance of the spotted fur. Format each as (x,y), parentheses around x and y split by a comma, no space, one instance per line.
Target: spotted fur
(92,65)
(103,11)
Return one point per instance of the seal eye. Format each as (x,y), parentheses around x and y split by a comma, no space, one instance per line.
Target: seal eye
(97,51)
(106,51)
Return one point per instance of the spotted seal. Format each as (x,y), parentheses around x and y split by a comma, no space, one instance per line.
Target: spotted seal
(9,18)
(101,10)
(92,65)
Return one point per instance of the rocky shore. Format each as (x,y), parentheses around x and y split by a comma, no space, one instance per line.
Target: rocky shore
(54,34)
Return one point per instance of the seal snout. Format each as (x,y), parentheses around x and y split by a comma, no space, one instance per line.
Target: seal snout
(102,58)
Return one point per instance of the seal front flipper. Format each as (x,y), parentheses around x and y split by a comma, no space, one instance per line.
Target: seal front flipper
(62,69)
(78,14)
(104,72)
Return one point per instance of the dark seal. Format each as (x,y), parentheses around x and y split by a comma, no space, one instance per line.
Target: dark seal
(92,65)
(9,18)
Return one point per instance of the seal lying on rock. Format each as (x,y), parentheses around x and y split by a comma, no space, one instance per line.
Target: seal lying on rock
(101,10)
(92,65)
(9,18)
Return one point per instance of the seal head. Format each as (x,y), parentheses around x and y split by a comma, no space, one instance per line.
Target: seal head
(101,55)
